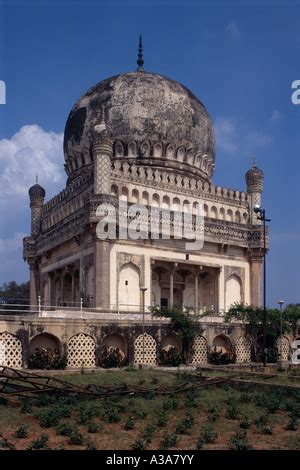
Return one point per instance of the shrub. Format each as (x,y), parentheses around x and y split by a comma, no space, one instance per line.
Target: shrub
(93,427)
(208,435)
(292,424)
(169,441)
(76,438)
(244,424)
(45,400)
(40,444)
(110,416)
(162,420)
(267,430)
(273,404)
(47,419)
(138,444)
(3,401)
(140,414)
(170,404)
(200,443)
(22,432)
(26,407)
(47,359)
(232,412)
(112,357)
(86,414)
(185,425)
(261,421)
(220,358)
(64,429)
(129,424)
(239,441)
(148,434)
(213,417)
(261,400)
(90,445)
(170,357)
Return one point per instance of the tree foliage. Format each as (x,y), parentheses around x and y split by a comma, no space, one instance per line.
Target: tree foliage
(182,323)
(252,319)
(11,292)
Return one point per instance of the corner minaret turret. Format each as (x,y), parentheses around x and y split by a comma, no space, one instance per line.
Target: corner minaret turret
(37,196)
(102,154)
(255,181)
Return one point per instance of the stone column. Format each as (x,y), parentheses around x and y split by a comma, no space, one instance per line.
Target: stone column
(102,153)
(256,259)
(171,289)
(33,287)
(196,294)
(102,274)
(73,290)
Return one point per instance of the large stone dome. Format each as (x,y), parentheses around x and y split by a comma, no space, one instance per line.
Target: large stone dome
(151,118)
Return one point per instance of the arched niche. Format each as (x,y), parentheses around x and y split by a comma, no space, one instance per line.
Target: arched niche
(44,341)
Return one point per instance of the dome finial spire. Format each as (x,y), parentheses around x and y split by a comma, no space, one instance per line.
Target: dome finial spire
(140,60)
(36,178)
(254,161)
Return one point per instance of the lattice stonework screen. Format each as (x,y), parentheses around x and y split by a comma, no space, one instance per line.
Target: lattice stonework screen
(200,350)
(81,351)
(150,350)
(283,347)
(11,351)
(243,349)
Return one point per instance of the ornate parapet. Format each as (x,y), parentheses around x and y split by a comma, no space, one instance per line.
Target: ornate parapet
(169,179)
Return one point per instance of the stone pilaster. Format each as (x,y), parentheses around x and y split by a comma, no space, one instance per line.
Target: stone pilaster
(256,260)
(33,286)
(102,273)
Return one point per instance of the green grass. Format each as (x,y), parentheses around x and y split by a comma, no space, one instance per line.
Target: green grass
(133,421)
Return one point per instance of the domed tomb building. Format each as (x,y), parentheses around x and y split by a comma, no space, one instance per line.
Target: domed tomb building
(145,139)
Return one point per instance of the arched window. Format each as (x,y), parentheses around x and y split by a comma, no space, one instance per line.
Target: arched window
(233,291)
(129,288)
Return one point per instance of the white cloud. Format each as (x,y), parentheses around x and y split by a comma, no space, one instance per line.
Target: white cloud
(233,30)
(257,139)
(276,115)
(233,135)
(31,150)
(12,264)
(226,136)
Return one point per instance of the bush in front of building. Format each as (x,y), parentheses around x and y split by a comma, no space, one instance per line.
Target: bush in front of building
(112,357)
(44,358)
(170,357)
(221,358)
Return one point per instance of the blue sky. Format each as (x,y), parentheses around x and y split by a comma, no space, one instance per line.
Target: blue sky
(239,58)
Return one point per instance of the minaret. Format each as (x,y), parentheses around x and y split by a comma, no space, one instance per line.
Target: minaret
(102,153)
(255,181)
(37,196)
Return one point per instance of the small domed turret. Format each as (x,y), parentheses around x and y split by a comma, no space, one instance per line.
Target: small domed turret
(254,179)
(36,191)
(255,182)
(36,196)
